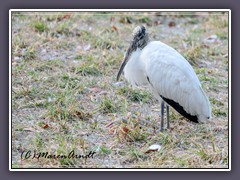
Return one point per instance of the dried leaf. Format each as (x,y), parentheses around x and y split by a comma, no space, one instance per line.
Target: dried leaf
(148,151)
(211,71)
(171,24)
(153,148)
(79,113)
(125,129)
(46,126)
(114,28)
(67,16)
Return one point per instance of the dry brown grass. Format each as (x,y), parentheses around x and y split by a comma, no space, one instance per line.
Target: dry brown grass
(64,96)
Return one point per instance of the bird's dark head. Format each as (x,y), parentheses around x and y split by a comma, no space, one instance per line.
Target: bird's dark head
(140,38)
(139,41)
(139,33)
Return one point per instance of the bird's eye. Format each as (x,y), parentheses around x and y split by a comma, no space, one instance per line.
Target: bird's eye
(141,35)
(208,117)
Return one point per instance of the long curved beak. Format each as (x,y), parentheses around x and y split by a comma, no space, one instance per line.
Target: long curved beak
(125,60)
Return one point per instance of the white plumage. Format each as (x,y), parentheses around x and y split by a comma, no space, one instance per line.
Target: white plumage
(167,73)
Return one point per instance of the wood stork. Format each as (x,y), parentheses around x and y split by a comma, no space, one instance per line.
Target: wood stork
(168,74)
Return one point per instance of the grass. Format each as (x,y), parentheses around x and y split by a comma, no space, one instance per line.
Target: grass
(135,95)
(64,96)
(107,106)
(39,26)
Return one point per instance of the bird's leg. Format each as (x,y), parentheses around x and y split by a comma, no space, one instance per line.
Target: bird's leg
(162,114)
(168,124)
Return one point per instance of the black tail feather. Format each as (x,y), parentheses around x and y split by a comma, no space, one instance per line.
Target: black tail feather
(180,109)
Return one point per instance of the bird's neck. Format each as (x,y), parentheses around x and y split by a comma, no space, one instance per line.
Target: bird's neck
(140,43)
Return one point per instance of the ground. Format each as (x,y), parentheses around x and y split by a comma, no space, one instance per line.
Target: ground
(65,95)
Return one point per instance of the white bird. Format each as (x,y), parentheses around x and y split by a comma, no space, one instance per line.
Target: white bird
(168,74)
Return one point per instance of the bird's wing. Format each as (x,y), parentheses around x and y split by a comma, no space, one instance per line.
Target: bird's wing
(172,77)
